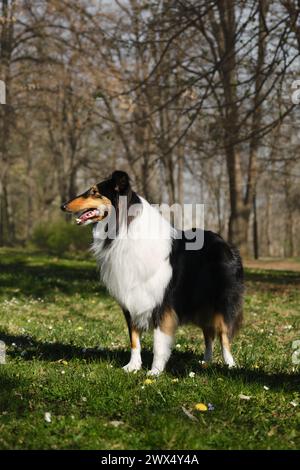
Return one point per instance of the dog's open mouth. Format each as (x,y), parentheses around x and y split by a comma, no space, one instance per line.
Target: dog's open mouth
(91,215)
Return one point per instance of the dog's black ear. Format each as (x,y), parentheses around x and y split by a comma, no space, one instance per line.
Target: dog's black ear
(121,182)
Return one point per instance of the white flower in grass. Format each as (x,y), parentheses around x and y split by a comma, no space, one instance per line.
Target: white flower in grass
(266,388)
(192,375)
(116,424)
(47,417)
(244,397)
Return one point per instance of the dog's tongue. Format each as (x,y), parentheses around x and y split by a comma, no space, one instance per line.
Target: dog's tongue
(87,215)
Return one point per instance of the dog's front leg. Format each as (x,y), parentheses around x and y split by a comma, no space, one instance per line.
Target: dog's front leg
(163,341)
(135,362)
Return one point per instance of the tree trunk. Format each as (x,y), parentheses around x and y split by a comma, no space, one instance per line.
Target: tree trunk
(4,216)
(289,222)
(29,190)
(7,229)
(240,203)
(180,176)
(239,214)
(255,230)
(289,239)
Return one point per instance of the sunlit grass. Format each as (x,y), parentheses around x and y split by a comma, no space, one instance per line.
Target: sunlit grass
(66,342)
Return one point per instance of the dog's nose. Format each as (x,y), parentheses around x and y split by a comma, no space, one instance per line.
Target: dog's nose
(63,206)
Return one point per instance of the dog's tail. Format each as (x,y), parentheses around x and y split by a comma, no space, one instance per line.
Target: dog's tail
(231,287)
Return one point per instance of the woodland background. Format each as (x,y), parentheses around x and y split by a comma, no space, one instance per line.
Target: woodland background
(196,99)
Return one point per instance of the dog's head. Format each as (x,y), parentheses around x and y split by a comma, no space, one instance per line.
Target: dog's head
(95,204)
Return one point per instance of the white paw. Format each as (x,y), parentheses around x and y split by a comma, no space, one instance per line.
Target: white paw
(132,366)
(154,372)
(231,365)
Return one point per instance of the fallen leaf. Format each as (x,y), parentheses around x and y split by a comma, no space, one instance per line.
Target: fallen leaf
(272,431)
(201,407)
(244,397)
(188,414)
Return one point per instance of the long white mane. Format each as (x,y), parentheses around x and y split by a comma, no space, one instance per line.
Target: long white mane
(135,266)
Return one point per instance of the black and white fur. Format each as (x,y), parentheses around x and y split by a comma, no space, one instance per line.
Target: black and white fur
(150,274)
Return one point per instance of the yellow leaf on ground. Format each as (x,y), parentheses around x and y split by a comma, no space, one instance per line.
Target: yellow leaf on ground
(201,407)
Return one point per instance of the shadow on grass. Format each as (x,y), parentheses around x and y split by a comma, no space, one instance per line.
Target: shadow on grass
(272,276)
(44,281)
(179,365)
(49,279)
(12,386)
(54,351)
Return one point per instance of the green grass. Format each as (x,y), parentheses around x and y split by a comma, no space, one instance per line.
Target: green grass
(66,341)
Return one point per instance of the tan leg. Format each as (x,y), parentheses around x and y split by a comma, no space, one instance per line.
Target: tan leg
(135,362)
(163,341)
(222,331)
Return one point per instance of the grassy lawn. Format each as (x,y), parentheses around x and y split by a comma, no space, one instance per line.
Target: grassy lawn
(66,341)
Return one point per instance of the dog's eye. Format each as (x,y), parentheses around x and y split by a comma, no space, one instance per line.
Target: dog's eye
(94,192)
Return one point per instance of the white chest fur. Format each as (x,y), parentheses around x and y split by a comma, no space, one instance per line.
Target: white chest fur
(135,267)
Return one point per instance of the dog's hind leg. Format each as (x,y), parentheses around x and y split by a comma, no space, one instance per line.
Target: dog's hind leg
(163,341)
(209,336)
(135,362)
(222,330)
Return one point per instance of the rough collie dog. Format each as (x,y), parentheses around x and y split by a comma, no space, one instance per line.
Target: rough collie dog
(159,283)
